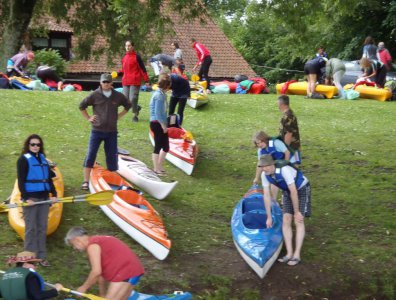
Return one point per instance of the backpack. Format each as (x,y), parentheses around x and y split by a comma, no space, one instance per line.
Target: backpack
(174,120)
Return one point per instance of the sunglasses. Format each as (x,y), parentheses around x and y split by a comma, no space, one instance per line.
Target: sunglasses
(106,82)
(34,144)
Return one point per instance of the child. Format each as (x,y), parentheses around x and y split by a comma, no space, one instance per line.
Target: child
(267,145)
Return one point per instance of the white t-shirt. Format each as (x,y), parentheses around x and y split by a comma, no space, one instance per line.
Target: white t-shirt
(107,93)
(288,173)
(178,54)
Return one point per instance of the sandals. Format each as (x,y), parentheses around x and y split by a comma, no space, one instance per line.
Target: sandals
(44,263)
(85,186)
(294,261)
(161,173)
(284,259)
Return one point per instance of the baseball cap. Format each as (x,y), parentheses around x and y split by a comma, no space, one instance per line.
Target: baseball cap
(265,160)
(106,77)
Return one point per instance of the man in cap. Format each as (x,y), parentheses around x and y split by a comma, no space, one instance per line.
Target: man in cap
(296,200)
(113,263)
(23,282)
(105,102)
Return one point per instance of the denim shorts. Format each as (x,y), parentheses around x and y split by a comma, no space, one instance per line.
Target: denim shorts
(110,147)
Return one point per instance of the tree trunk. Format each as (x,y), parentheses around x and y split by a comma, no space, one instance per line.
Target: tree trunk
(16,24)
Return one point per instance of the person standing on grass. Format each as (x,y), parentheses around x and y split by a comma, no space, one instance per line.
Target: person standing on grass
(288,130)
(267,145)
(35,184)
(204,61)
(313,70)
(180,92)
(296,200)
(335,69)
(105,102)
(133,72)
(159,123)
(23,282)
(113,264)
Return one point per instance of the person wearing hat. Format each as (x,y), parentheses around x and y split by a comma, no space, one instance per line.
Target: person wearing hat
(18,62)
(296,200)
(23,282)
(105,102)
(113,264)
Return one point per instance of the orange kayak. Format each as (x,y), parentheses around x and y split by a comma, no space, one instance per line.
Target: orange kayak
(15,215)
(131,212)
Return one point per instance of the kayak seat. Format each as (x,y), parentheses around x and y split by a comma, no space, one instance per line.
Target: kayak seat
(252,204)
(255,219)
(124,188)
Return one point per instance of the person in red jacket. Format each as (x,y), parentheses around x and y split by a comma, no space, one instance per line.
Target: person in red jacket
(134,72)
(204,61)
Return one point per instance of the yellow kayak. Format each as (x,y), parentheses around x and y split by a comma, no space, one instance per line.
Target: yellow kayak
(15,215)
(371,92)
(300,88)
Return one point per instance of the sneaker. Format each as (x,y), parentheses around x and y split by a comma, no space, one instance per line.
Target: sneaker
(135,119)
(44,263)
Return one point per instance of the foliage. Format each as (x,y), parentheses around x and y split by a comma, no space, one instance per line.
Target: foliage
(285,34)
(49,57)
(350,241)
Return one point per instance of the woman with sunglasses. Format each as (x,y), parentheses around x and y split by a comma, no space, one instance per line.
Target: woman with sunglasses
(35,184)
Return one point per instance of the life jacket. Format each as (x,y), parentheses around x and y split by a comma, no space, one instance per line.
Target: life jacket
(279,180)
(276,155)
(13,283)
(37,179)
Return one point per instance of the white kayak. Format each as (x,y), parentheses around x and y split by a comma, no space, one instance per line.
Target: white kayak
(139,174)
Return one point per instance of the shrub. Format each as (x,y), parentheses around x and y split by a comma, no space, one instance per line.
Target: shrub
(48,57)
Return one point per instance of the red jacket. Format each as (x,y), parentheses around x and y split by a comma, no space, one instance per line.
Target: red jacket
(201,51)
(133,69)
(385,58)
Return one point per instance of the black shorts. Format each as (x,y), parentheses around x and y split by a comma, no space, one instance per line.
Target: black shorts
(311,69)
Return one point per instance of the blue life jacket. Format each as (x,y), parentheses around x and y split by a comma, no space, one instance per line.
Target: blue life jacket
(276,155)
(38,178)
(280,182)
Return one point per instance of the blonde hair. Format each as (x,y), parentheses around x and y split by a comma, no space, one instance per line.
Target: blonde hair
(365,62)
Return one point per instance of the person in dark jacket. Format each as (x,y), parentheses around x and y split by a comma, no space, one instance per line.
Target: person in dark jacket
(35,184)
(313,70)
(23,282)
(134,72)
(105,102)
(180,92)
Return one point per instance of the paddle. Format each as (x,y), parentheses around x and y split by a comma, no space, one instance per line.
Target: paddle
(66,290)
(100,198)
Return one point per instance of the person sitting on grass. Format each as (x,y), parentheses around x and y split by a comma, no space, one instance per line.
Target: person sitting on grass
(113,264)
(23,282)
(296,200)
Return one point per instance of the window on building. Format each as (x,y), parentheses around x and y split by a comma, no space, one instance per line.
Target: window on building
(60,41)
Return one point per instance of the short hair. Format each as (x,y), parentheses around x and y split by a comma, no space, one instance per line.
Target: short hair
(132,43)
(176,44)
(284,99)
(73,233)
(164,81)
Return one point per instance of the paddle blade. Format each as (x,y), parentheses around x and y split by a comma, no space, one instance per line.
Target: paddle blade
(100,198)
(3,207)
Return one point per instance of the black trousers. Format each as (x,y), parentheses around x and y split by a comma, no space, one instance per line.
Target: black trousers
(204,70)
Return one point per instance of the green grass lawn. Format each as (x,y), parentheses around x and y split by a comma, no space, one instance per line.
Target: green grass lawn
(348,153)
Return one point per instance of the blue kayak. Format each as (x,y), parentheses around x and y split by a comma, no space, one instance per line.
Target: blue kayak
(175,296)
(259,246)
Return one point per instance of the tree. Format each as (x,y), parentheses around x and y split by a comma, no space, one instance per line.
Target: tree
(116,20)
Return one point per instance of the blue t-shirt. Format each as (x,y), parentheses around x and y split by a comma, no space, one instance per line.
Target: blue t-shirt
(180,87)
